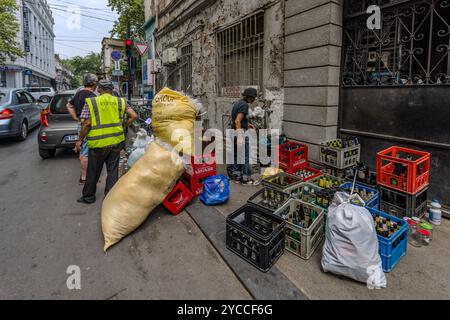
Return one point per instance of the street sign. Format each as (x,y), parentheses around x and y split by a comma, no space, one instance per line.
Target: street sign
(142,48)
(117,65)
(116,55)
(117,73)
(28,72)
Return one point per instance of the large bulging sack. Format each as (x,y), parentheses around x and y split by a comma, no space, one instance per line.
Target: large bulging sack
(351,244)
(138,192)
(173,115)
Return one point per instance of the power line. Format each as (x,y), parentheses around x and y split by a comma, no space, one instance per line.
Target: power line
(85,15)
(84,7)
(84,26)
(73,47)
(88,11)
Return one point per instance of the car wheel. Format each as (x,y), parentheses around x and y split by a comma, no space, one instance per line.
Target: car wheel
(45,99)
(47,153)
(23,131)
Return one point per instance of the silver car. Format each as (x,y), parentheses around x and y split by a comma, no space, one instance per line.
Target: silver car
(58,129)
(45,94)
(19,113)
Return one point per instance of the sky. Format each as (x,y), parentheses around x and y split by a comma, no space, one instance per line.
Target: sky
(78,35)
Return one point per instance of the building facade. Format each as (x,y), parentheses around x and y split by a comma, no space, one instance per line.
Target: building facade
(36,37)
(320,70)
(64,76)
(221,48)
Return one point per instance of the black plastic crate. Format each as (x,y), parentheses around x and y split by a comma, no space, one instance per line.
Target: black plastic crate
(256,235)
(402,204)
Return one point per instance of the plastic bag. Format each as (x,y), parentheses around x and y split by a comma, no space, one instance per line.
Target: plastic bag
(138,192)
(351,244)
(173,119)
(139,147)
(216,190)
(142,139)
(271,171)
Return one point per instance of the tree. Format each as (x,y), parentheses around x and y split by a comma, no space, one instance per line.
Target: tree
(9,27)
(131,11)
(81,65)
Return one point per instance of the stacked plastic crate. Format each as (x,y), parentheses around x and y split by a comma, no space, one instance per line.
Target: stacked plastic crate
(191,184)
(403,176)
(201,167)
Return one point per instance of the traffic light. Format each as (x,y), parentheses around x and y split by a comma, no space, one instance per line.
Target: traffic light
(128,44)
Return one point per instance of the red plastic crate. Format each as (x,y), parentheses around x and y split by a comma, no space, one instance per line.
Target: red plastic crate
(194,184)
(316,173)
(294,158)
(203,166)
(178,199)
(410,176)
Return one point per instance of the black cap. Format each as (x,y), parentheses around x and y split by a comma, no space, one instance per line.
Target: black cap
(250,92)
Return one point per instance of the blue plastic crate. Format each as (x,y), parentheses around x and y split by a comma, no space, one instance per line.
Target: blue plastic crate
(374,202)
(389,262)
(392,249)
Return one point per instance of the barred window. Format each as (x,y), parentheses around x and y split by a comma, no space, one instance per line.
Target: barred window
(186,69)
(412,46)
(240,50)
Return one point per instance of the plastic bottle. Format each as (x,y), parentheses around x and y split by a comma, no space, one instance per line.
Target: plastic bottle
(435,213)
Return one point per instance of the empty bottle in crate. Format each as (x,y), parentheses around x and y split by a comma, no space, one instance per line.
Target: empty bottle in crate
(281,181)
(269,198)
(340,153)
(305,227)
(327,182)
(403,169)
(306,173)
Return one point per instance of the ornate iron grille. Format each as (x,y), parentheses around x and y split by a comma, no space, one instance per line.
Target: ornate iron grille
(412,47)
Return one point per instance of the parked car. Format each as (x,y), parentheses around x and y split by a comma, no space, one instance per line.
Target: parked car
(45,94)
(58,129)
(19,113)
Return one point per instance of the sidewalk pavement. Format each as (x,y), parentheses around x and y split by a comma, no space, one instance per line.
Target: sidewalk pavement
(421,274)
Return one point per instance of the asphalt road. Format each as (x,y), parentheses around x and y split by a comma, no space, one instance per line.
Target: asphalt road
(43,231)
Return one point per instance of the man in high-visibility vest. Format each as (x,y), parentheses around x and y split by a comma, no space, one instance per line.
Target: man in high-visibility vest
(103,127)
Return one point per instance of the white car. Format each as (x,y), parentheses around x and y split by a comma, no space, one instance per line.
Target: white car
(44,94)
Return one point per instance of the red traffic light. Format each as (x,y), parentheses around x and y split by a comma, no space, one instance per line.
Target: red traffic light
(128,42)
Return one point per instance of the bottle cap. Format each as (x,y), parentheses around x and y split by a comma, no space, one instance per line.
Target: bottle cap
(426,226)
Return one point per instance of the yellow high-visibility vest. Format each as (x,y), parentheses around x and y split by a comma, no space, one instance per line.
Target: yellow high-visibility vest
(107,114)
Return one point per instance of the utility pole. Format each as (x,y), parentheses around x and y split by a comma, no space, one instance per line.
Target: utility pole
(128,53)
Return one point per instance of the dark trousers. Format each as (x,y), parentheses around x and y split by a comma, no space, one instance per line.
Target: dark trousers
(241,171)
(97,158)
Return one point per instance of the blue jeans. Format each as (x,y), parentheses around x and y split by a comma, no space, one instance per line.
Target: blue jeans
(241,171)
(84,152)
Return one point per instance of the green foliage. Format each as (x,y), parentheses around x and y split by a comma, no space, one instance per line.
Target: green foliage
(128,10)
(9,27)
(82,65)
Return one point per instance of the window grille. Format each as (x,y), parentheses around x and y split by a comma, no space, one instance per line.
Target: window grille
(412,47)
(240,50)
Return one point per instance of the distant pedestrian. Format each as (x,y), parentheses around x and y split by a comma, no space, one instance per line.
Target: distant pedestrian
(103,127)
(75,106)
(242,173)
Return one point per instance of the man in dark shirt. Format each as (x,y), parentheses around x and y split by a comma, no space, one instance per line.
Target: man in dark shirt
(239,120)
(75,106)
